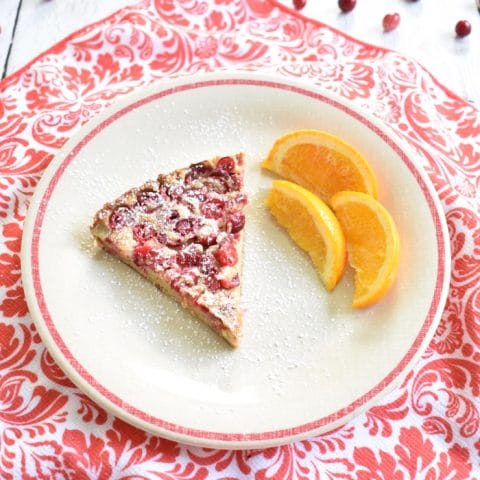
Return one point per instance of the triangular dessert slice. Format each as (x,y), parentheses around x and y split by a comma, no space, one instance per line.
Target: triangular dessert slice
(184,233)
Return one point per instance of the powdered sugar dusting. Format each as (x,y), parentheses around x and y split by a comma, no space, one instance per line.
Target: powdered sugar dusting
(138,341)
(272,264)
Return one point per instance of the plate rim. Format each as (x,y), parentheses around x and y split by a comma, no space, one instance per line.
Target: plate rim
(108,400)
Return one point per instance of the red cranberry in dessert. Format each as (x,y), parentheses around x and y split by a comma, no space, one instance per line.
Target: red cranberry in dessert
(463,28)
(226,254)
(235,222)
(145,255)
(184,226)
(190,256)
(143,232)
(149,201)
(162,238)
(213,208)
(208,265)
(227,164)
(230,283)
(120,218)
(207,240)
(196,171)
(173,242)
(390,22)
(346,5)
(212,283)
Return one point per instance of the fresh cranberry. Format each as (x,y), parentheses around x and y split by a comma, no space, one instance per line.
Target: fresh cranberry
(190,256)
(299,4)
(463,28)
(149,201)
(226,254)
(208,265)
(227,164)
(229,283)
(236,222)
(184,226)
(390,22)
(347,5)
(213,208)
(121,217)
(143,232)
(212,283)
(144,255)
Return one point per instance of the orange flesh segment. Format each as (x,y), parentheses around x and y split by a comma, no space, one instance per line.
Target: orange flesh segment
(373,244)
(312,226)
(322,163)
(321,170)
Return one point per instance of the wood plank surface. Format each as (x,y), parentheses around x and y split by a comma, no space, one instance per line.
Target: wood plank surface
(8,12)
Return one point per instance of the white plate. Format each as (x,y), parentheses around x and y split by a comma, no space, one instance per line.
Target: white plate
(308,361)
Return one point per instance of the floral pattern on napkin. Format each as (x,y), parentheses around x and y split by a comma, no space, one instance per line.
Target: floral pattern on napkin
(427,428)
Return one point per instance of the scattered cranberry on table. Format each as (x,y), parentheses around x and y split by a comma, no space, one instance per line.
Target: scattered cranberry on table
(299,4)
(347,5)
(390,22)
(463,28)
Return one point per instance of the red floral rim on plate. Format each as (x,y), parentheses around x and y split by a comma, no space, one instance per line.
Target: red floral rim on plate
(80,372)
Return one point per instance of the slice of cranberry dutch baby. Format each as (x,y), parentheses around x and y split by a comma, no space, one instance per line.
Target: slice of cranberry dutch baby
(183,232)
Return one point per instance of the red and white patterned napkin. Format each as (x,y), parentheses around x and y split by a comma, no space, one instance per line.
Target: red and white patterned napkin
(427,428)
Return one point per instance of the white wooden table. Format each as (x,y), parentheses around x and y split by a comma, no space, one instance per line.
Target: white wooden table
(426,31)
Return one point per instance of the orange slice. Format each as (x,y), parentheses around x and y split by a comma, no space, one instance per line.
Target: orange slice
(312,225)
(373,244)
(322,163)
